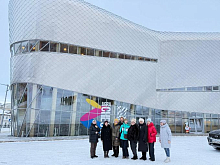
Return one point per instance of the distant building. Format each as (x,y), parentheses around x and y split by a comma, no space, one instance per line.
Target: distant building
(72,62)
(7,115)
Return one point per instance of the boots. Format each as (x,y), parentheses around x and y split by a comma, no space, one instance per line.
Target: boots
(143,156)
(167,160)
(135,158)
(106,154)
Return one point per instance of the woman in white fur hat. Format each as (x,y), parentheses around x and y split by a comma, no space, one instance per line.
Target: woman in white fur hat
(142,145)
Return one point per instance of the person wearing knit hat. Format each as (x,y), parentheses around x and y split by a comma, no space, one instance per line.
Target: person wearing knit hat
(133,133)
(152,132)
(142,141)
(149,120)
(165,138)
(116,137)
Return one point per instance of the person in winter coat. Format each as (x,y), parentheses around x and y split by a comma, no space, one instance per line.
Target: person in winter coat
(165,138)
(106,137)
(124,139)
(116,138)
(152,132)
(94,131)
(142,142)
(133,133)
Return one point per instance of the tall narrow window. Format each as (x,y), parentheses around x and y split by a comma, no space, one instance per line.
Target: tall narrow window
(122,56)
(133,57)
(215,88)
(208,88)
(18,48)
(33,45)
(24,46)
(81,50)
(106,54)
(90,52)
(141,58)
(54,47)
(113,55)
(63,48)
(44,46)
(98,53)
(72,49)
(128,57)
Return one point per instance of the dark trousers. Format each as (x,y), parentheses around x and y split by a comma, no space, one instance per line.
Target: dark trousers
(134,148)
(93,149)
(116,150)
(151,151)
(125,147)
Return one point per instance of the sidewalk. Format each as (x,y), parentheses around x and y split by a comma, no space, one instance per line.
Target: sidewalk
(6,137)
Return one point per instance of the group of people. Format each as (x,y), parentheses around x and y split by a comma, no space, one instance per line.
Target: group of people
(121,133)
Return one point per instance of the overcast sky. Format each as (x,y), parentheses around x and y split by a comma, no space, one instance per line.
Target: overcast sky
(161,15)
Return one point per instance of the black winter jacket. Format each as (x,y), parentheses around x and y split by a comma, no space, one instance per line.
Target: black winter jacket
(93,137)
(133,133)
(106,137)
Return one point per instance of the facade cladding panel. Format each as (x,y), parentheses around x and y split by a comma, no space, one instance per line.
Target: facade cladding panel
(53,90)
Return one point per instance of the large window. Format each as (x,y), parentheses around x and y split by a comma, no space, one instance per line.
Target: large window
(51,46)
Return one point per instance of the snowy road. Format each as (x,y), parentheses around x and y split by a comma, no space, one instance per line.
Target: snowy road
(185,151)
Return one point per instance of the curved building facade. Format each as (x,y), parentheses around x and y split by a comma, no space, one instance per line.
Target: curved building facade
(72,62)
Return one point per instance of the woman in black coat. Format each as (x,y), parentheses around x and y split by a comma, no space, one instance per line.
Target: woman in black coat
(106,137)
(93,138)
(133,133)
(143,135)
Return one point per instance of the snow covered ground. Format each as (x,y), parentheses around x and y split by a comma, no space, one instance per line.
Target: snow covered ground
(190,150)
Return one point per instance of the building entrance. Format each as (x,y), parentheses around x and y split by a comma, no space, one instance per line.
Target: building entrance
(196,125)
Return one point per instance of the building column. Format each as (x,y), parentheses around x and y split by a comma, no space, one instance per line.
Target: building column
(53,112)
(73,117)
(32,110)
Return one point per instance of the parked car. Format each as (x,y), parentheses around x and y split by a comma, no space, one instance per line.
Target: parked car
(214,139)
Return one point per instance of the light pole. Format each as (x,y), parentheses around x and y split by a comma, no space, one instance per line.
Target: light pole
(3,113)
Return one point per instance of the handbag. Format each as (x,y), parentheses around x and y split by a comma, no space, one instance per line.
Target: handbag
(125,135)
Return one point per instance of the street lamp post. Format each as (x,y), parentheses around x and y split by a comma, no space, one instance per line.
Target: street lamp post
(3,113)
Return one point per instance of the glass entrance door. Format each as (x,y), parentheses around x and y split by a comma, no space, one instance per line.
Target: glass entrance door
(196,125)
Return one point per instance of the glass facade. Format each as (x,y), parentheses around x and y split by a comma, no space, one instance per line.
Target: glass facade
(43,111)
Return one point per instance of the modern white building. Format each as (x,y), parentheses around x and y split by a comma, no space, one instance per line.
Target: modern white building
(72,62)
